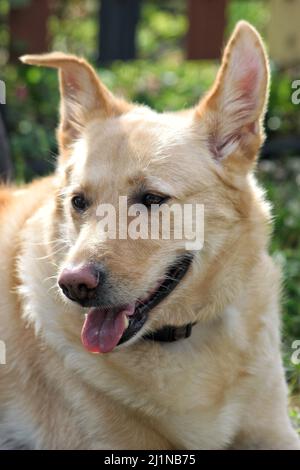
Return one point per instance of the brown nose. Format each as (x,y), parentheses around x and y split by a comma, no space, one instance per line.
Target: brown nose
(79,283)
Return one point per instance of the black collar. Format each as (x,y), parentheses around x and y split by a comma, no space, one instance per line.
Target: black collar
(168,334)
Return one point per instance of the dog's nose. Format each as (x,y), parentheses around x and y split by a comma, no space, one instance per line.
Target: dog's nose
(79,283)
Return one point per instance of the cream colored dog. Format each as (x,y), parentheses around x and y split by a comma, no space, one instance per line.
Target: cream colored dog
(68,291)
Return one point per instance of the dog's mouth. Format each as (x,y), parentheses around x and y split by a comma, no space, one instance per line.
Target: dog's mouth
(107,327)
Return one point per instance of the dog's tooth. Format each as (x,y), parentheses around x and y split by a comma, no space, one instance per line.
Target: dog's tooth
(126,321)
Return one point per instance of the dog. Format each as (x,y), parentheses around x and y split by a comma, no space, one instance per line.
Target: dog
(120,343)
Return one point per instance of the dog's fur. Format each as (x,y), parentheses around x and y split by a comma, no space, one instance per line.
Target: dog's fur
(221,388)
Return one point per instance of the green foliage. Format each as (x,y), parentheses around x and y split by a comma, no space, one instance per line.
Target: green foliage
(31,114)
(282,182)
(161,30)
(167,85)
(295,416)
(74,27)
(254,11)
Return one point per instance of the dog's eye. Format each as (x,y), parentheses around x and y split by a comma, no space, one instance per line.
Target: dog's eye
(79,203)
(149,199)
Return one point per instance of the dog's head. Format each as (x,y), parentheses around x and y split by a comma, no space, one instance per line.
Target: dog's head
(133,283)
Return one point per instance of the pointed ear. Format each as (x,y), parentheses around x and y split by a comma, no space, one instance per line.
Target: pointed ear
(82,94)
(233,110)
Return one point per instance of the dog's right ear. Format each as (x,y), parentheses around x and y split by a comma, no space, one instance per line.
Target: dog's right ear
(82,95)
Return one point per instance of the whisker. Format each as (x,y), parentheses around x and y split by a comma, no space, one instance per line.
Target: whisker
(50,277)
(51,254)
(49,242)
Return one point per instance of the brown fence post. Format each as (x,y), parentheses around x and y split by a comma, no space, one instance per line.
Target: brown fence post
(28,28)
(207,19)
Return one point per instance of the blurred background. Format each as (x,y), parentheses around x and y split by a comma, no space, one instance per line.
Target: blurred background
(165,54)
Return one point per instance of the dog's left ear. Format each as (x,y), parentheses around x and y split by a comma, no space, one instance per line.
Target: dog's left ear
(233,111)
(82,95)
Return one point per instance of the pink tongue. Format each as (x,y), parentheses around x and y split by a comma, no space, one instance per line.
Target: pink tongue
(104,327)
